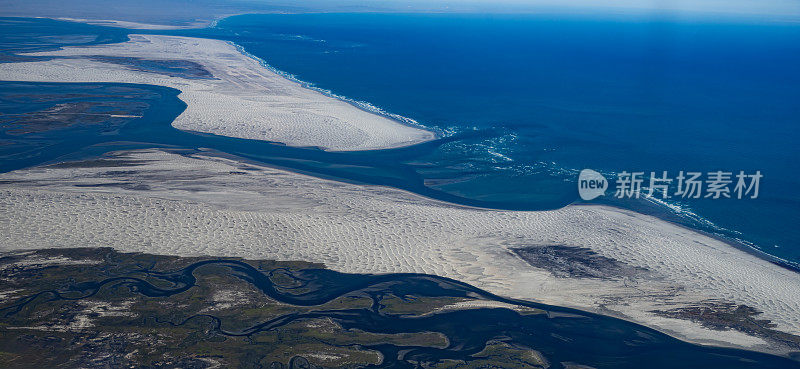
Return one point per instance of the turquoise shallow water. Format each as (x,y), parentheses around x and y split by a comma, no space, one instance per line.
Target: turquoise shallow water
(530,100)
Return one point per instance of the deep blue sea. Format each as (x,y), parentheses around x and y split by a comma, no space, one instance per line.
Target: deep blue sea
(527,101)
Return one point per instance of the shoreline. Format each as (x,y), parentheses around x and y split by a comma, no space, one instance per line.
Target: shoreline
(742,244)
(242,98)
(145,26)
(363,105)
(667,214)
(366,106)
(654,265)
(683,219)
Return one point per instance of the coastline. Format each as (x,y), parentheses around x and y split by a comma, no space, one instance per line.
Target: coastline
(695,222)
(137,25)
(667,213)
(711,229)
(241,98)
(363,105)
(132,25)
(640,264)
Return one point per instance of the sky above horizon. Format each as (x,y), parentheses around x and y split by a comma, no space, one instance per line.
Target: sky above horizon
(185,10)
(781,8)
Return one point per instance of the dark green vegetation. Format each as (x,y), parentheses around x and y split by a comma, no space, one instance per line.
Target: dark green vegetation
(68,114)
(575,262)
(175,68)
(98,308)
(722,315)
(119,326)
(40,122)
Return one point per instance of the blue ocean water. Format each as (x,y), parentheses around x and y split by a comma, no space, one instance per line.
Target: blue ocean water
(529,100)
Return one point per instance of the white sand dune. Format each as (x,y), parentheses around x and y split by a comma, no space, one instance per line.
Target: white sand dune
(137,25)
(172,204)
(244,99)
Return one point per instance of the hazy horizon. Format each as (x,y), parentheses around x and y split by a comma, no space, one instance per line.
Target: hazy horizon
(179,11)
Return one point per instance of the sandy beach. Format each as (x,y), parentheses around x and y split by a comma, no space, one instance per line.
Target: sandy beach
(635,267)
(137,25)
(241,98)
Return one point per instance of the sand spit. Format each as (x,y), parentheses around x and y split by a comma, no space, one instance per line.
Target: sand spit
(243,99)
(206,205)
(136,25)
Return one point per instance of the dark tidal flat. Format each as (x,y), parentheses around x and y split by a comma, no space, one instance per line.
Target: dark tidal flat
(575,262)
(40,122)
(20,35)
(101,308)
(174,68)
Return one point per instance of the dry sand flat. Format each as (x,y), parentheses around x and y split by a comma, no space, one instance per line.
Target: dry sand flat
(136,25)
(173,204)
(244,99)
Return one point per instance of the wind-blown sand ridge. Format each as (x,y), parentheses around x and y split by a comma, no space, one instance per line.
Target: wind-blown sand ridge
(139,25)
(243,99)
(165,203)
